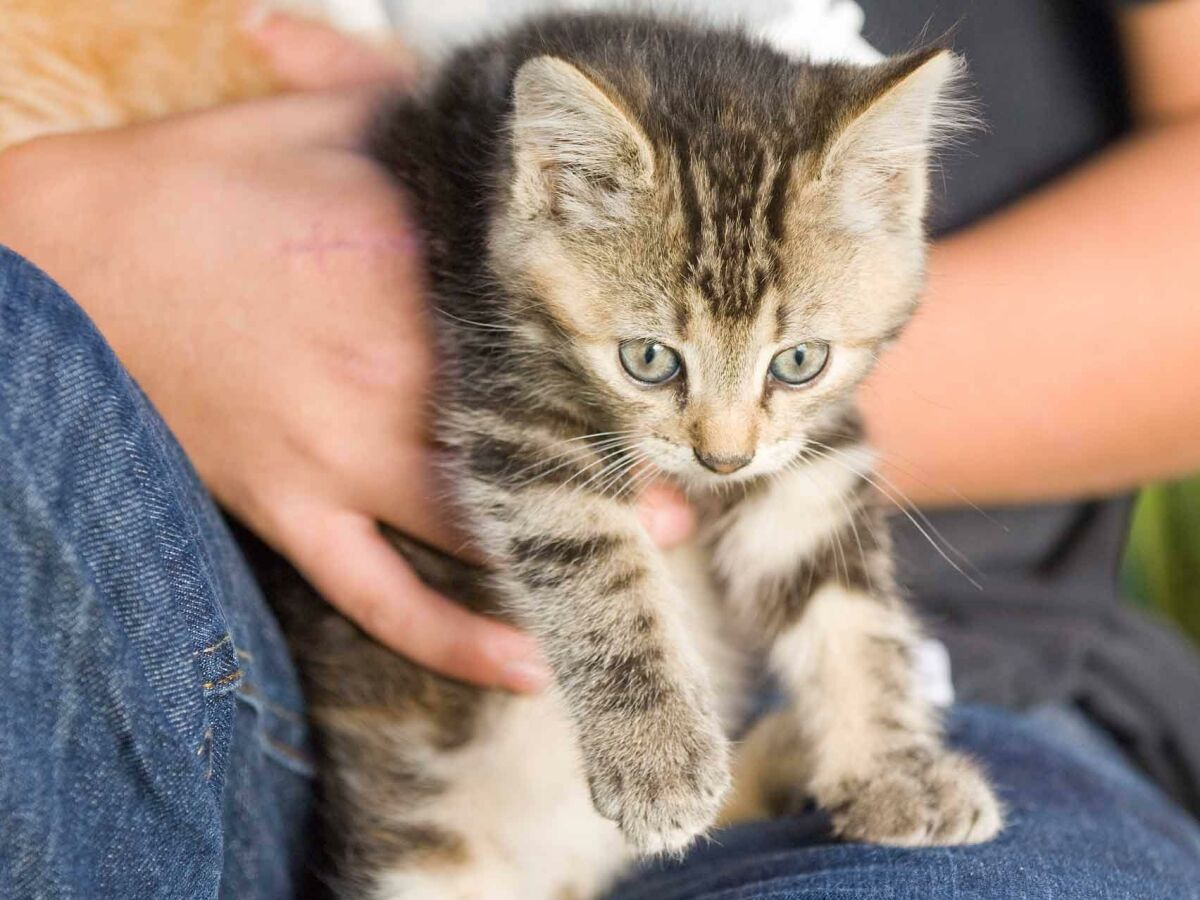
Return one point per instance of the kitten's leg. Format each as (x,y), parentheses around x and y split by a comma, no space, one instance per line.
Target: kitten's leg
(580,573)
(858,736)
(770,771)
(875,758)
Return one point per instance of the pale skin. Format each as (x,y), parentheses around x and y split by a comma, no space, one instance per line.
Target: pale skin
(1054,355)
(256,274)
(257,277)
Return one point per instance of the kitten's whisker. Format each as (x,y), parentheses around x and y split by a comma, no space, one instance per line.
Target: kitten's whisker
(957,494)
(562,465)
(613,476)
(851,518)
(624,457)
(604,459)
(649,471)
(597,434)
(602,479)
(641,456)
(916,524)
(600,447)
(642,479)
(862,553)
(928,523)
(908,504)
(615,479)
(928,537)
(913,469)
(478,326)
(613,461)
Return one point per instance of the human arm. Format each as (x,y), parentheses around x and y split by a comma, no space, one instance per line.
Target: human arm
(257,276)
(1055,352)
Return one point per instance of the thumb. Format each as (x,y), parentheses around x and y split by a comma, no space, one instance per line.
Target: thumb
(311,55)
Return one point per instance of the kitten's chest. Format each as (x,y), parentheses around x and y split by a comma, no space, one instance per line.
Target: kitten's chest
(781,532)
(726,653)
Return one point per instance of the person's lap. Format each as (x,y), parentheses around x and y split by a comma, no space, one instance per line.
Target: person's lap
(1080,826)
(151,732)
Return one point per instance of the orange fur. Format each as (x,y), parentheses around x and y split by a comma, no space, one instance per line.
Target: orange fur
(70,65)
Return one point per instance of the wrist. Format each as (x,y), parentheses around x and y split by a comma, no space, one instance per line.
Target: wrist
(37,211)
(13,163)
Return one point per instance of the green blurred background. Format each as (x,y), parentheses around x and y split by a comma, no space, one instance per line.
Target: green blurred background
(1162,565)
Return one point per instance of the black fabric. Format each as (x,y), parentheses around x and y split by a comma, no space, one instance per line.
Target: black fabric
(1049,624)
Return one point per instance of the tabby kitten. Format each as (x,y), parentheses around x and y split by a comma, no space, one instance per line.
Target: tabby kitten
(655,247)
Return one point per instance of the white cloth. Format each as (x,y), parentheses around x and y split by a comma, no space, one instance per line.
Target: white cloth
(356,16)
(820,30)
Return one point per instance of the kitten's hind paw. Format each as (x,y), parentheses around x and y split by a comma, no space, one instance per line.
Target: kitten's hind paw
(917,798)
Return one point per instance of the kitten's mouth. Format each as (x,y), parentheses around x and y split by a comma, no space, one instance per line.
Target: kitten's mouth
(701,476)
(764,462)
(691,468)
(719,479)
(723,465)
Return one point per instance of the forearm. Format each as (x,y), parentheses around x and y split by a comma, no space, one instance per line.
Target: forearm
(1056,353)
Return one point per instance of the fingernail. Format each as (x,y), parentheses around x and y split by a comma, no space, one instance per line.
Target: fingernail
(255,17)
(526,676)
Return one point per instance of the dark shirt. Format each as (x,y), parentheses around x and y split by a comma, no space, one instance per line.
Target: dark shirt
(1048,624)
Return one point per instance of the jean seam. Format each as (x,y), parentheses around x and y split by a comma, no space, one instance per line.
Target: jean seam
(225,684)
(47,313)
(172,455)
(37,506)
(215,646)
(292,757)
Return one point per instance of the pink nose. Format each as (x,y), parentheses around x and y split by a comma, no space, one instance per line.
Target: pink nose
(723,465)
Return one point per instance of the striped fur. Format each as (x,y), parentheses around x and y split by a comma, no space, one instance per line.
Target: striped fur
(587,180)
(584,181)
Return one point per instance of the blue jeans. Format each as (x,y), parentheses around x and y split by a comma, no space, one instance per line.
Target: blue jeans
(152,738)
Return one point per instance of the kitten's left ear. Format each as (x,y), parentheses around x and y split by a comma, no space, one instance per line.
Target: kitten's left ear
(578,154)
(879,154)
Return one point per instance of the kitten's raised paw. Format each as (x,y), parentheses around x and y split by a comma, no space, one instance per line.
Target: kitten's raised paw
(917,798)
(664,786)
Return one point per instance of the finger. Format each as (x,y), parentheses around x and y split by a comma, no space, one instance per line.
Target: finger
(352,565)
(311,55)
(666,515)
(424,506)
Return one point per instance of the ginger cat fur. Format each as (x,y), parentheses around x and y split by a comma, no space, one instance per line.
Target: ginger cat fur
(75,65)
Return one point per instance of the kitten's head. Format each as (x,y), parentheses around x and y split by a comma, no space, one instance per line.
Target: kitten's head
(723,266)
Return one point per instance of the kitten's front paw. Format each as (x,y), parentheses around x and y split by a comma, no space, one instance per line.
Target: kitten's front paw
(916,798)
(661,778)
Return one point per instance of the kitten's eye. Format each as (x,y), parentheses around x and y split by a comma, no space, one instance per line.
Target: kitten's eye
(800,364)
(648,361)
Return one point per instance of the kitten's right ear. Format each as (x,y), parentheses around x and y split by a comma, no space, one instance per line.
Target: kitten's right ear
(904,108)
(578,155)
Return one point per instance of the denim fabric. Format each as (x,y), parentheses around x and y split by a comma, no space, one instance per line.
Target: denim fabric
(151,734)
(1081,825)
(152,742)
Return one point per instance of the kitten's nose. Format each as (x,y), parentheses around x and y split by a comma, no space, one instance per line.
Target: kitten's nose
(723,465)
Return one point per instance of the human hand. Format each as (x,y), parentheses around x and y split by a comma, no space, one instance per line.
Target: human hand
(256,274)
